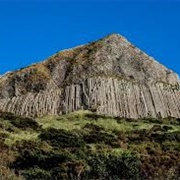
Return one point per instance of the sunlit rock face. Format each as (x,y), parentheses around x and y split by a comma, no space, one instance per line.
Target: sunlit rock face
(110,76)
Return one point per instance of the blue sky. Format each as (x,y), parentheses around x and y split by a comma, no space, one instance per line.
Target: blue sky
(30,31)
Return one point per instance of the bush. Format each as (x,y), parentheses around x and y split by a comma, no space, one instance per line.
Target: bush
(37,174)
(113,166)
(171,136)
(69,170)
(36,156)
(94,116)
(39,163)
(3,136)
(62,138)
(25,123)
(6,157)
(101,137)
(19,121)
(93,127)
(123,167)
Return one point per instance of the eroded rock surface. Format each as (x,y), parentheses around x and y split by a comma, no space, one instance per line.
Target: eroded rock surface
(110,76)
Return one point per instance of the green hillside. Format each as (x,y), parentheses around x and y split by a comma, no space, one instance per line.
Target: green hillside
(86,146)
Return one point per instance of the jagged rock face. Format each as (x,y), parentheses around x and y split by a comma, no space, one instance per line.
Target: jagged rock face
(110,76)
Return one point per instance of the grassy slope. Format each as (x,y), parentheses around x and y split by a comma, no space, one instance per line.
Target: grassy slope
(89,146)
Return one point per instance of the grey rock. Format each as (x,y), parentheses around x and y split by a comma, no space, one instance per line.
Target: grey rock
(110,76)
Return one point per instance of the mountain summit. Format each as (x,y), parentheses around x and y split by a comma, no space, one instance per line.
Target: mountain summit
(110,76)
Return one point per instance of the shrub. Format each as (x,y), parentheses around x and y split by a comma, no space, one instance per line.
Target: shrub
(32,158)
(61,138)
(39,163)
(93,127)
(123,167)
(101,137)
(36,154)
(169,136)
(19,121)
(3,136)
(25,123)
(113,166)
(69,170)
(37,174)
(6,157)
(95,116)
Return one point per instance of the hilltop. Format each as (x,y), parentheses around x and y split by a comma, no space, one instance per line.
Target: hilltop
(109,76)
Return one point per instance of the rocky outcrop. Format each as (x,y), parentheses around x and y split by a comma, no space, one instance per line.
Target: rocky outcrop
(109,76)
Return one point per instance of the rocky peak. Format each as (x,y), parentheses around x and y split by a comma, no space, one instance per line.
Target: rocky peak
(110,75)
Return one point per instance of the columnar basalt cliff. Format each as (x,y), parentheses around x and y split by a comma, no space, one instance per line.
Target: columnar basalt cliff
(109,76)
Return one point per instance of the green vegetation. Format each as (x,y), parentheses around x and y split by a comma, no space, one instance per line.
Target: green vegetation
(84,145)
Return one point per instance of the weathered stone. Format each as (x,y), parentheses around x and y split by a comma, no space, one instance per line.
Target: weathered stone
(110,76)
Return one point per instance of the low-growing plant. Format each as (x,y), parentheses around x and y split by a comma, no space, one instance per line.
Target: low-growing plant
(61,138)
(113,166)
(19,121)
(37,174)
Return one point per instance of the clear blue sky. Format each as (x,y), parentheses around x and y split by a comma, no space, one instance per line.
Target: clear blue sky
(30,31)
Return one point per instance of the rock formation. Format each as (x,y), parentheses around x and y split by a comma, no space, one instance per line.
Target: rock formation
(109,76)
